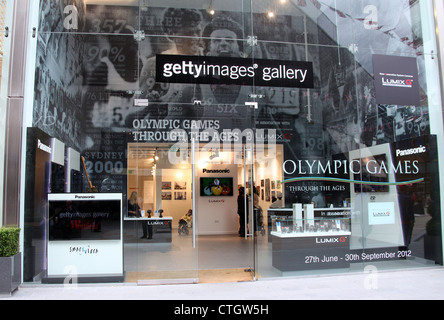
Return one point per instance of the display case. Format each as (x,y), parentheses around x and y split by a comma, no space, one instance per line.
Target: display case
(320,226)
(311,238)
(85,237)
(156,229)
(306,220)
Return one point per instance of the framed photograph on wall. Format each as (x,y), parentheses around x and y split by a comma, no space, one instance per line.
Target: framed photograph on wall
(166,195)
(166,185)
(180,195)
(180,185)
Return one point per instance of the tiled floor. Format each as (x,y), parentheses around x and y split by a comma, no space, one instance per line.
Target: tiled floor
(180,260)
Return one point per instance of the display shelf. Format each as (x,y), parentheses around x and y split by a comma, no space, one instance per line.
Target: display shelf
(305,238)
(309,234)
(312,222)
(148,219)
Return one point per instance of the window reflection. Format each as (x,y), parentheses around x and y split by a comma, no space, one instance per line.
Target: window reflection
(96,90)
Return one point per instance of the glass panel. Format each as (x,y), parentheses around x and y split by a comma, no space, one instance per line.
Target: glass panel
(95,17)
(391,127)
(252,221)
(161,233)
(175,115)
(326,138)
(342,143)
(96,91)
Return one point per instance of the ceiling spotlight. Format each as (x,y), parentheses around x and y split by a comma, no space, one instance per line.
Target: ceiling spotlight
(156,157)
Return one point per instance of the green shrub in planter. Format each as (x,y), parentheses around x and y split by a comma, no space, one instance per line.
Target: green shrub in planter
(9,241)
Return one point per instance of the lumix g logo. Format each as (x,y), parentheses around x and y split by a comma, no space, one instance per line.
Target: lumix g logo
(381,214)
(332,240)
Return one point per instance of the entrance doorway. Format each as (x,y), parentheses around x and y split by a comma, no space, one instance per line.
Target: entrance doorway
(165,244)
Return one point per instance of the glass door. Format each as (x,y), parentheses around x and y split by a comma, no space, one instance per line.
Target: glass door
(161,244)
(253,211)
(195,125)
(185,144)
(224,208)
(190,228)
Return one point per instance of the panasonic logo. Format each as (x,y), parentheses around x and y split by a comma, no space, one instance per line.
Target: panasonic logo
(216,171)
(43,147)
(407,152)
(84,197)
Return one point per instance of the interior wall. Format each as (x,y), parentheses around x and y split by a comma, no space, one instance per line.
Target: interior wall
(217,215)
(268,176)
(176,200)
(172,187)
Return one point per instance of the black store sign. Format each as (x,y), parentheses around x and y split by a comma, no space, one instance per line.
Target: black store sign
(310,253)
(239,71)
(396,80)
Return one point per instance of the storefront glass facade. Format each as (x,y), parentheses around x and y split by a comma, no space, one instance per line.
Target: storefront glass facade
(324,112)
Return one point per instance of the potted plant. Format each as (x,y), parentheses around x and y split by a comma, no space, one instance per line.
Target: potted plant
(10,260)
